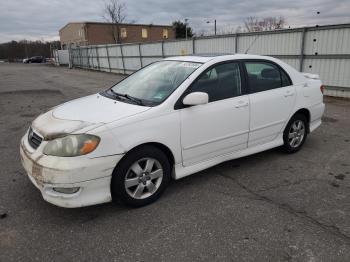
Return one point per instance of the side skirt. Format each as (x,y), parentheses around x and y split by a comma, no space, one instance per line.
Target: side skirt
(181,171)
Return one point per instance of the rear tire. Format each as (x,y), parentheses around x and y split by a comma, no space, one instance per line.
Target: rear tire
(141,176)
(295,133)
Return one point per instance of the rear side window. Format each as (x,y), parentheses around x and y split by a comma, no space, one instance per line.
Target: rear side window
(285,79)
(219,82)
(263,76)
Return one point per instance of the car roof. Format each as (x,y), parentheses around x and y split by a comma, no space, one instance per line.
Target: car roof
(203,58)
(217,58)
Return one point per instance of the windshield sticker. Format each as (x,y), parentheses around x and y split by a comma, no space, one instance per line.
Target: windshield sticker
(159,95)
(190,65)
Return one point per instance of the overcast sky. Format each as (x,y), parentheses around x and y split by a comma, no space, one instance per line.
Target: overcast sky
(41,19)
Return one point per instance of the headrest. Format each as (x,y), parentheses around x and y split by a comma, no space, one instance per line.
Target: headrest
(252,77)
(270,73)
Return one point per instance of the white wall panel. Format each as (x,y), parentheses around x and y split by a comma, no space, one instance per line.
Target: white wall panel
(131,50)
(215,45)
(63,57)
(271,44)
(132,63)
(114,50)
(333,72)
(329,41)
(116,63)
(104,63)
(147,60)
(154,49)
(178,48)
(101,51)
(292,62)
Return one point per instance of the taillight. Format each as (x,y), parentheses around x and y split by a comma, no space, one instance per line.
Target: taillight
(322,88)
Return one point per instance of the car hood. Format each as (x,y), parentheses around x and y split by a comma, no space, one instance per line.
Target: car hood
(83,114)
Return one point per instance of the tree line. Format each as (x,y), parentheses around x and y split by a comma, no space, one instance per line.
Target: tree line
(14,50)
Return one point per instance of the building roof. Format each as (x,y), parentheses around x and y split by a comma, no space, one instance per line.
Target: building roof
(108,23)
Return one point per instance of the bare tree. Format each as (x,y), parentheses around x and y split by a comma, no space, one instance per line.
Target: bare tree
(273,23)
(238,29)
(253,24)
(115,13)
(226,29)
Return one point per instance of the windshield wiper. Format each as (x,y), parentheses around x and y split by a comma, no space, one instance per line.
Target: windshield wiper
(129,97)
(136,100)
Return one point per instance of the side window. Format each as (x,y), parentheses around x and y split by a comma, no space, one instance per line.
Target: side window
(219,82)
(263,76)
(285,79)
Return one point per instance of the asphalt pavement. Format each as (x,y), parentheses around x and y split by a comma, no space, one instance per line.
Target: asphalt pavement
(269,206)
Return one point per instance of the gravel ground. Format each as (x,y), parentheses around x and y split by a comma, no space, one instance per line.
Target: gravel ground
(266,207)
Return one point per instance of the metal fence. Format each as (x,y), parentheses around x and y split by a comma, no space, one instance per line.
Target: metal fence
(61,57)
(324,50)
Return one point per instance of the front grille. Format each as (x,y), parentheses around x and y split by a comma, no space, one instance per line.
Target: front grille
(33,139)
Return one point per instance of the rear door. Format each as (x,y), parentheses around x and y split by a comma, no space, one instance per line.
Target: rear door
(221,126)
(272,99)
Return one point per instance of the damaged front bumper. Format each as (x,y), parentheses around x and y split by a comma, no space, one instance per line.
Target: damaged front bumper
(69,181)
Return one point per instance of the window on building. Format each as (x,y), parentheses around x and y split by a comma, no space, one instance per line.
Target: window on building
(144,33)
(123,33)
(165,33)
(80,32)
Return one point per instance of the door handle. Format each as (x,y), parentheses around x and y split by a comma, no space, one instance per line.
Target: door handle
(241,104)
(288,93)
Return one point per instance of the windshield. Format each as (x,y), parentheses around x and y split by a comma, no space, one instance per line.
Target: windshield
(154,83)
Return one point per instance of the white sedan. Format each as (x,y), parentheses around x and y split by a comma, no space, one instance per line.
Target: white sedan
(168,120)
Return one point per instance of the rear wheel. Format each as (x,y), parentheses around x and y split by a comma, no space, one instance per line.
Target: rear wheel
(295,133)
(141,176)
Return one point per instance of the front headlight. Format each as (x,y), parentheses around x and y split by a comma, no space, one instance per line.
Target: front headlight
(72,145)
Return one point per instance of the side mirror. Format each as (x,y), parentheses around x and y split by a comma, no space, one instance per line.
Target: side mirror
(196,98)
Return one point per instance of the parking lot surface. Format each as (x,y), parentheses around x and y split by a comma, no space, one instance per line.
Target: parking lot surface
(266,207)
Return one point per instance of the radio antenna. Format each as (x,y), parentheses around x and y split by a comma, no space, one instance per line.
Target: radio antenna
(251,44)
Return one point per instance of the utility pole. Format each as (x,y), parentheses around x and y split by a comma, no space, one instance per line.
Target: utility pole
(215,26)
(208,22)
(186,26)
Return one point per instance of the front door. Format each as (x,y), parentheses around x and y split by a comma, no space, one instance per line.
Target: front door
(221,126)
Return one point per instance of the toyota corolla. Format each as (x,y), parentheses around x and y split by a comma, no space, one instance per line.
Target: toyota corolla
(166,121)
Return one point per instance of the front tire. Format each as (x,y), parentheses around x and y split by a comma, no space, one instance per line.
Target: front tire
(295,133)
(141,176)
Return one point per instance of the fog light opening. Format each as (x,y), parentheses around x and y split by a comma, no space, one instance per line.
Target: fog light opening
(66,190)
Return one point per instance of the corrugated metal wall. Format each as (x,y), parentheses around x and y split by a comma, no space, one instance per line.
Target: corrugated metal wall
(215,45)
(271,44)
(324,50)
(61,57)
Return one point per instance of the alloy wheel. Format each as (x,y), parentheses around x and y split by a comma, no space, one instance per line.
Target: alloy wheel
(296,133)
(143,178)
